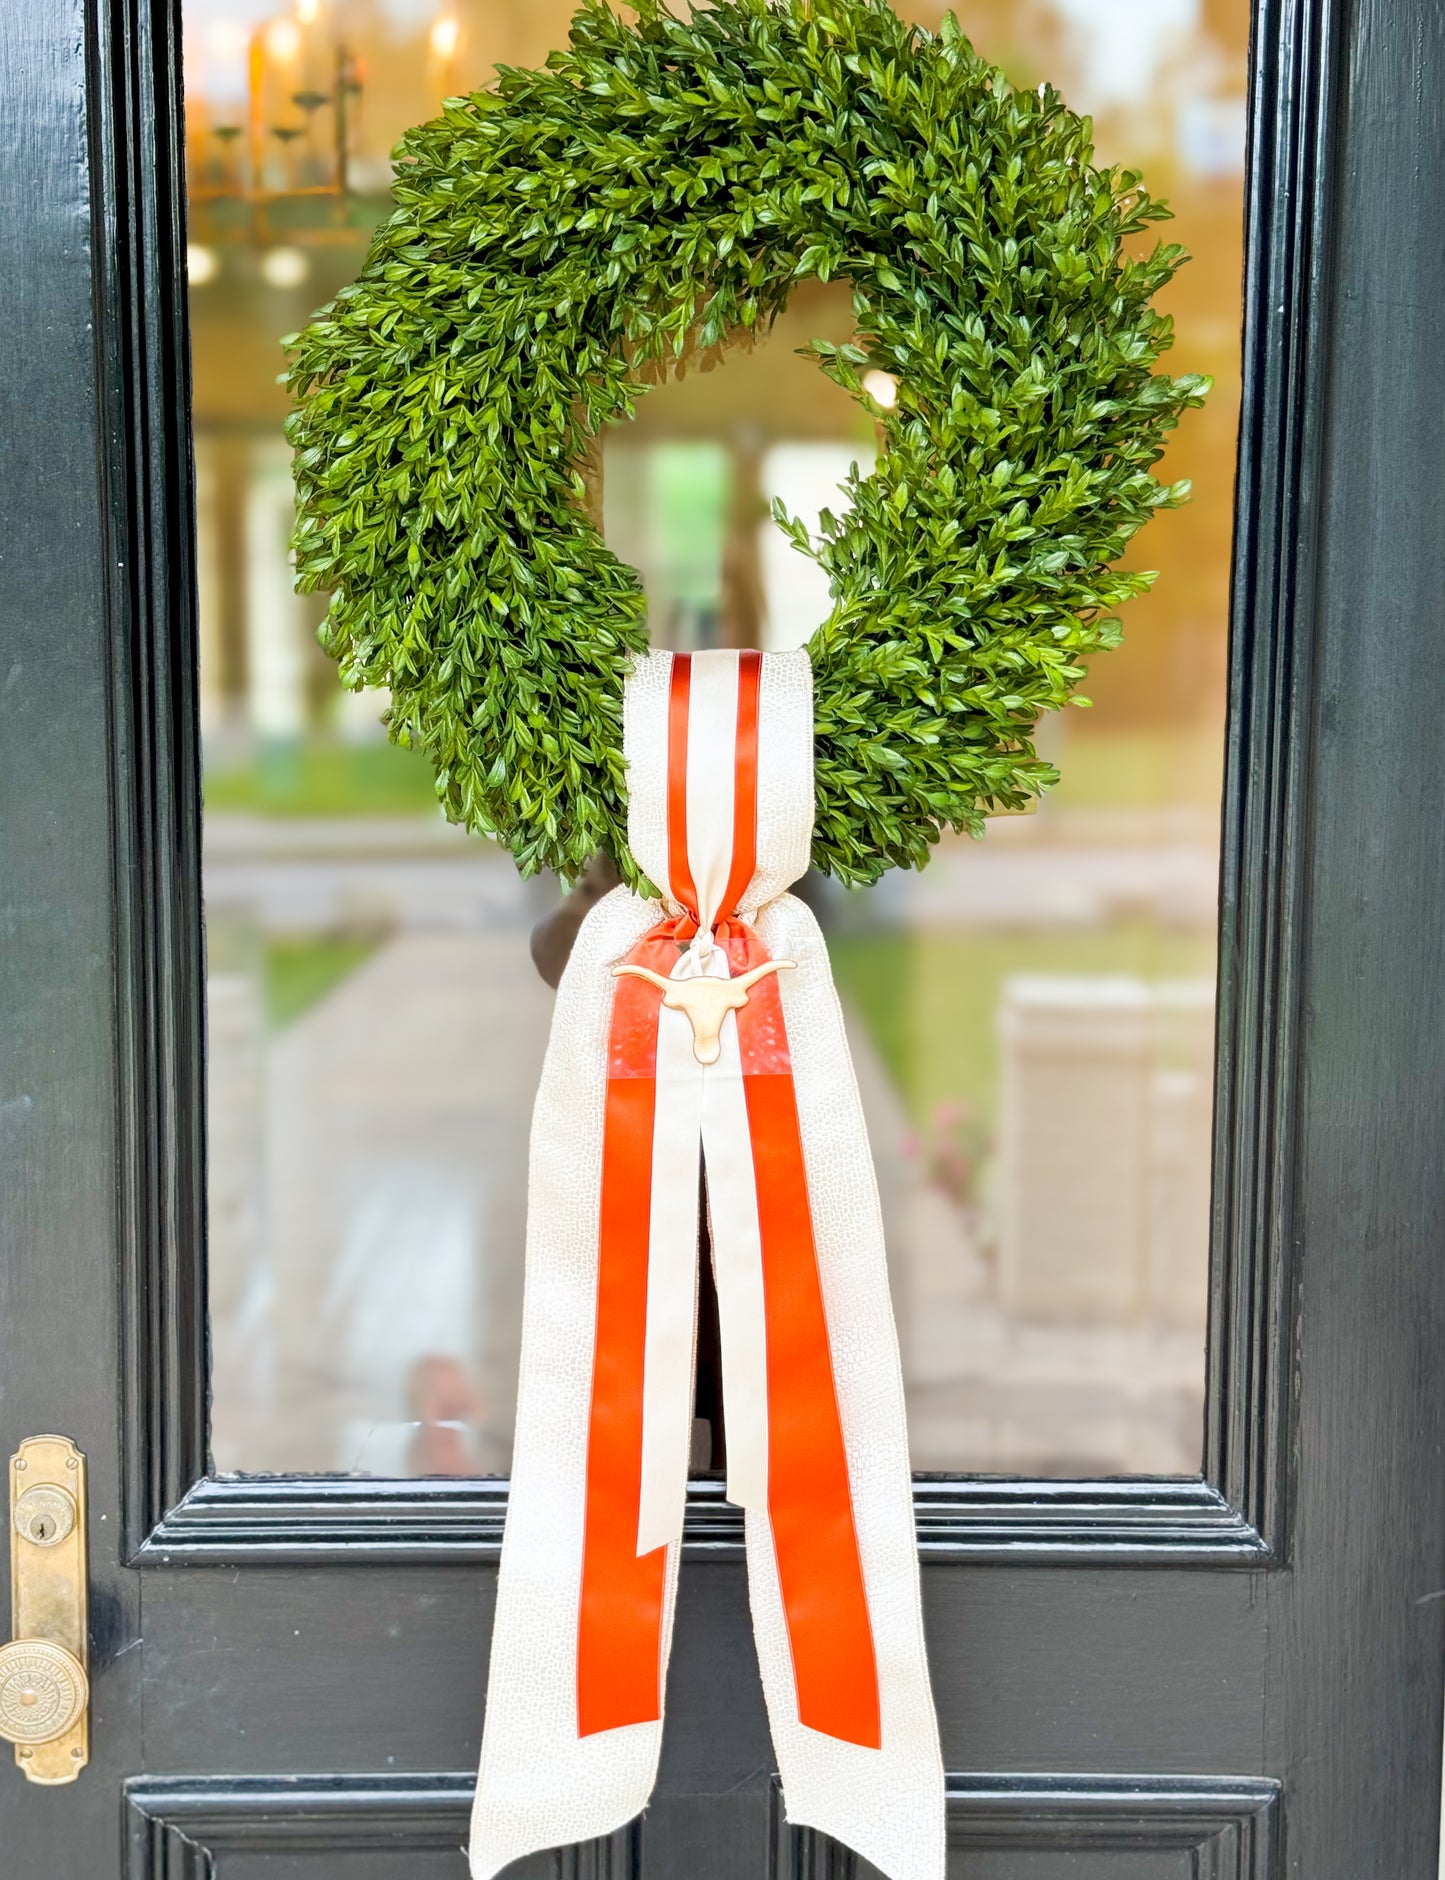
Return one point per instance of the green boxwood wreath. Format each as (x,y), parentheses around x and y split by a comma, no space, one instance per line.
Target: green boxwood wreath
(661,187)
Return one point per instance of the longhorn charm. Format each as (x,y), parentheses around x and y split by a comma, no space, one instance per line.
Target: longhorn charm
(706,1001)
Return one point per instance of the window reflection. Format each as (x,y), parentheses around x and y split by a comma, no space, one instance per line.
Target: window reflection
(1031,1016)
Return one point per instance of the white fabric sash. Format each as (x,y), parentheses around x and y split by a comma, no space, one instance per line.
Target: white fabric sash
(555,1766)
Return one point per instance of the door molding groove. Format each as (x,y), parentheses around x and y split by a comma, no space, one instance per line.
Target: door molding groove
(1234,1514)
(182,1828)
(292,1520)
(1230,1825)
(137,155)
(1297,53)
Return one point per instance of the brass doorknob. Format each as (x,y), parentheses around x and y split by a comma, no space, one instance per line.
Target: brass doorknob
(43,1691)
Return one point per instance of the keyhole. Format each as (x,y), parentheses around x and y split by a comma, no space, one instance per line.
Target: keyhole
(42,1527)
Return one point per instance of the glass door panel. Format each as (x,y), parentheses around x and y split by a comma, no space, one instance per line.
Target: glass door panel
(1031,1016)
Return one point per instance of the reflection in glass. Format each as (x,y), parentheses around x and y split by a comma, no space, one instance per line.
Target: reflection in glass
(1031,1016)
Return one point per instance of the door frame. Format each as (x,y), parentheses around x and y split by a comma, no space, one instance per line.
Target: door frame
(1235,1512)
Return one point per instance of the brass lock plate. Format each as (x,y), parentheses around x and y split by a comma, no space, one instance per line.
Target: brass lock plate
(44,1694)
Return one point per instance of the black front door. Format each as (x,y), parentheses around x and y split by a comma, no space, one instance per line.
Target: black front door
(1235,1673)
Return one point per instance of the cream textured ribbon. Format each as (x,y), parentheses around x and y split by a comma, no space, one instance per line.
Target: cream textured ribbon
(719,752)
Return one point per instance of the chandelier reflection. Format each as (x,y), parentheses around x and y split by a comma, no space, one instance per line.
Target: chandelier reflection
(274,132)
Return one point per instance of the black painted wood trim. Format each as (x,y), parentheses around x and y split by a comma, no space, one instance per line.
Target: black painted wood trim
(180,1827)
(143,374)
(1234,1513)
(1230,1825)
(176,1827)
(290,1520)
(1294,132)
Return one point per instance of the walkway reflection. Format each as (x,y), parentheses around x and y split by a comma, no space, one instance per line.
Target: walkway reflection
(368,1176)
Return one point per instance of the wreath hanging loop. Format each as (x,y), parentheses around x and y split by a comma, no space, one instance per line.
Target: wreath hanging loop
(662,185)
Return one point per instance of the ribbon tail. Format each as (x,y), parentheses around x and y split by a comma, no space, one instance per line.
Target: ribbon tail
(833,1567)
(542,1780)
(638,1428)
(810,1494)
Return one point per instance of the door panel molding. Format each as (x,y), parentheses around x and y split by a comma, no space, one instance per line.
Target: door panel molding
(182,1829)
(1235,1513)
(1228,1825)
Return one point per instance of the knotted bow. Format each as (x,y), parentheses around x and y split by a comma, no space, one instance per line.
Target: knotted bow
(711,994)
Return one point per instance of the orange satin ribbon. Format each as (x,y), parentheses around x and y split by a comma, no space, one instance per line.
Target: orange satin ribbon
(810,1507)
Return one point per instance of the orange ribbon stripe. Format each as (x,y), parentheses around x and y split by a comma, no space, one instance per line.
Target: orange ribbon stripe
(619,1642)
(745,783)
(680,881)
